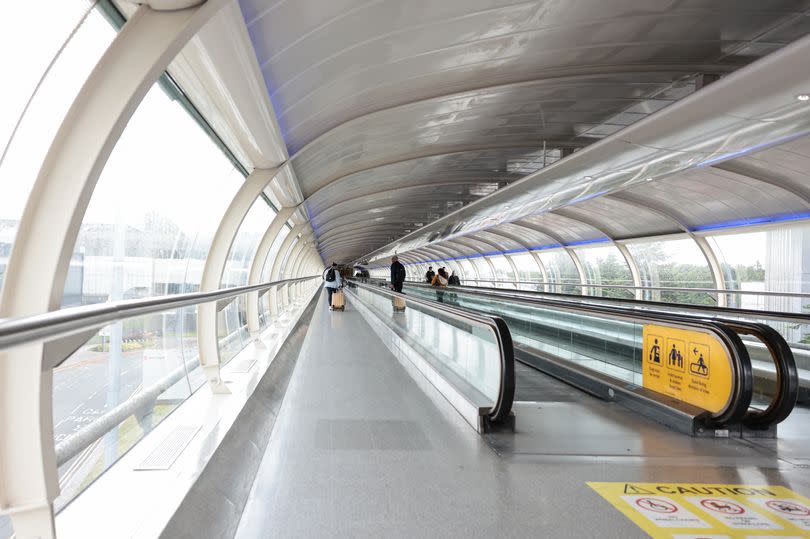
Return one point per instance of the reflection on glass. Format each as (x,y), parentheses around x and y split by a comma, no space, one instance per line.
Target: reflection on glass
(24,28)
(562,273)
(677,264)
(605,265)
(148,362)
(466,353)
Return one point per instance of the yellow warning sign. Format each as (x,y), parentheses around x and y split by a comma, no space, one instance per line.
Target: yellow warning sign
(691,511)
(691,366)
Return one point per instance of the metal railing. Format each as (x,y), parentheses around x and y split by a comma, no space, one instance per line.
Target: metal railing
(502,407)
(727,331)
(76,320)
(72,320)
(643,288)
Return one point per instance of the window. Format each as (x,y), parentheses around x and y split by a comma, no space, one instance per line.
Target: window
(503,271)
(146,232)
(677,263)
(562,273)
(606,266)
(29,42)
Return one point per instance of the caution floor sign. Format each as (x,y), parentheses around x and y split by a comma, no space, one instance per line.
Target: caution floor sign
(693,511)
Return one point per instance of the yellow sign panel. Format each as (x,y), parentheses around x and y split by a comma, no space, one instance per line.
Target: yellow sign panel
(691,366)
(692,511)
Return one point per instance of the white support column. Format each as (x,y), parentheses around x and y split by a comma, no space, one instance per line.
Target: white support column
(542,268)
(634,271)
(35,276)
(289,271)
(583,280)
(207,338)
(257,264)
(275,272)
(514,269)
(714,266)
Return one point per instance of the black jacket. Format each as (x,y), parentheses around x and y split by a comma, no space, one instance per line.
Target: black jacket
(397,272)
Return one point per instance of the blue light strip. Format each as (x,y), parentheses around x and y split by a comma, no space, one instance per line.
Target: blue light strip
(742,223)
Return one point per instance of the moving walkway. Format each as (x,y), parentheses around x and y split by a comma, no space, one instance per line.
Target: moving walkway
(609,350)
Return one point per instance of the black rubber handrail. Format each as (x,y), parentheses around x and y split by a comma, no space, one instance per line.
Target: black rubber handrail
(738,409)
(502,408)
(782,356)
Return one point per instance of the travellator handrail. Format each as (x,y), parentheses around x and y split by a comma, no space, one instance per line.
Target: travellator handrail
(777,316)
(781,354)
(502,408)
(742,373)
(653,288)
(72,320)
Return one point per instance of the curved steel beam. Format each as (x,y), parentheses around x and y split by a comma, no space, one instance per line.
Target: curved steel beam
(35,276)
(567,74)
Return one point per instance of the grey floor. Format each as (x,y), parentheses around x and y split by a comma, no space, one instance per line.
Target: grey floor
(359,450)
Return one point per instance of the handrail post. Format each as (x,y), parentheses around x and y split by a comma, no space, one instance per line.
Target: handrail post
(207,338)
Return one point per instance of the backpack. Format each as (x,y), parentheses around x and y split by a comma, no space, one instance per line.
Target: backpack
(330,275)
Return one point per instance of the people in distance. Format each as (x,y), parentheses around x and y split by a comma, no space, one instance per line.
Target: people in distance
(440,281)
(429,275)
(454,280)
(332,282)
(397,274)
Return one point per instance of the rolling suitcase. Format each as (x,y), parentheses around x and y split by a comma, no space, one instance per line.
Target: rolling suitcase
(338,300)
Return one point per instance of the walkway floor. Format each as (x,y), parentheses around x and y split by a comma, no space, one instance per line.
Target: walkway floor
(359,450)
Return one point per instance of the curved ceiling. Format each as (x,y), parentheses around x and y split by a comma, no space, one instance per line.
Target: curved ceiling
(414,108)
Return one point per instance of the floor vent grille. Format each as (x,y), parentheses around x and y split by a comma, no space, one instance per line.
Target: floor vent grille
(164,455)
(243,366)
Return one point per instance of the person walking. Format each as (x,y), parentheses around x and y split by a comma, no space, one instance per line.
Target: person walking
(332,282)
(398,274)
(454,280)
(440,281)
(429,275)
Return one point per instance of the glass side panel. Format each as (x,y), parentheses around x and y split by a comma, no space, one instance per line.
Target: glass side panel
(24,28)
(264,299)
(149,363)
(597,343)
(606,266)
(467,355)
(562,272)
(675,263)
(150,221)
(232,320)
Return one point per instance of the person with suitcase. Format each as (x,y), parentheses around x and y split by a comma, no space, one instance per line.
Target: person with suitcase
(398,274)
(332,283)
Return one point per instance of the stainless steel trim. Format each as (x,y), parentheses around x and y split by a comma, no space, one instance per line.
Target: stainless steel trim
(55,324)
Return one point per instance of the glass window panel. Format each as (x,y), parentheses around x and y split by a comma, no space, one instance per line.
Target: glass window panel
(561,271)
(232,320)
(484,271)
(503,271)
(24,28)
(528,272)
(146,232)
(677,263)
(467,271)
(606,266)
(136,239)
(774,259)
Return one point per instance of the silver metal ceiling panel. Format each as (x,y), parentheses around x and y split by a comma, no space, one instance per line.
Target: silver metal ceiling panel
(708,196)
(619,219)
(522,115)
(328,62)
(566,229)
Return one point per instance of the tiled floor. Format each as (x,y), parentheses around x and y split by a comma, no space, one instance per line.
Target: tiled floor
(360,451)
